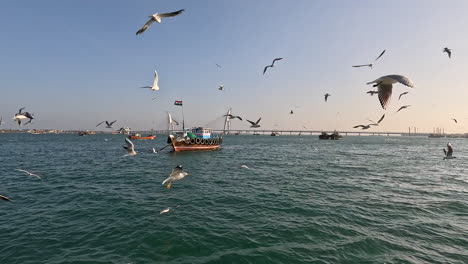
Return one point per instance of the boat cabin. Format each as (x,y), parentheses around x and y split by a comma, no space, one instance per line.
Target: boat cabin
(202,132)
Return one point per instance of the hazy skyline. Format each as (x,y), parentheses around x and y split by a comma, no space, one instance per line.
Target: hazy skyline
(75,64)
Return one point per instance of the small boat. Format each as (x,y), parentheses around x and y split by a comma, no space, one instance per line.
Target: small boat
(274,134)
(198,138)
(333,136)
(139,136)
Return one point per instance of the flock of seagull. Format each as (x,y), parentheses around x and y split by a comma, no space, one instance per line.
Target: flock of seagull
(384,86)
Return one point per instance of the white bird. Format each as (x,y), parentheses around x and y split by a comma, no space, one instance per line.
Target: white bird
(5,198)
(108,125)
(403,107)
(176,175)
(154,150)
(454,120)
(155,86)
(244,166)
(167,210)
(254,124)
(130,147)
(448,153)
(326,96)
(29,173)
(378,122)
(384,85)
(371,64)
(272,65)
(221,88)
(157,17)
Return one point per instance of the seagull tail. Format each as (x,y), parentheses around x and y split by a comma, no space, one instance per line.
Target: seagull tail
(370,82)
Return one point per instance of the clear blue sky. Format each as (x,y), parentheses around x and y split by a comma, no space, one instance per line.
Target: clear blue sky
(76,63)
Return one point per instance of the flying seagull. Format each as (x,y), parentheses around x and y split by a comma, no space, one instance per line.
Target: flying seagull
(272,65)
(255,124)
(449,52)
(230,116)
(29,173)
(292,112)
(157,17)
(130,147)
(167,210)
(378,122)
(176,174)
(403,107)
(399,97)
(362,126)
(370,64)
(455,120)
(384,85)
(221,88)
(219,66)
(23,115)
(5,198)
(326,96)
(448,153)
(155,86)
(372,92)
(108,125)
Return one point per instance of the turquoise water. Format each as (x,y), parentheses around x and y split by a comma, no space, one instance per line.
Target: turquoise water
(358,200)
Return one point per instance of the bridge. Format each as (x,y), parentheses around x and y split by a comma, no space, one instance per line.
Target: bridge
(306,132)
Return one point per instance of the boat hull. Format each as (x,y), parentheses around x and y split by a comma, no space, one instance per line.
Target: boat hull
(137,137)
(190,145)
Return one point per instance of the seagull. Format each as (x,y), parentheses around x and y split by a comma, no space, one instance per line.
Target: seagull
(155,86)
(176,174)
(167,210)
(272,65)
(153,98)
(292,112)
(378,122)
(29,173)
(157,17)
(448,153)
(384,85)
(370,64)
(130,147)
(364,65)
(221,88)
(362,126)
(372,92)
(449,52)
(244,166)
(254,125)
(455,120)
(399,97)
(5,198)
(22,115)
(108,125)
(403,107)
(219,66)
(230,116)
(326,96)
(155,151)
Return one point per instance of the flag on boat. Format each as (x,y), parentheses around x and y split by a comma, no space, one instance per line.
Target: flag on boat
(178,103)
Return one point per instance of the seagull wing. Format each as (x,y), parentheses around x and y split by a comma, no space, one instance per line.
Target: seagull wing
(401,79)
(449,52)
(147,87)
(385,93)
(100,123)
(399,97)
(363,65)
(155,81)
(21,109)
(111,123)
(454,120)
(238,117)
(358,126)
(381,54)
(145,26)
(277,59)
(258,121)
(251,122)
(266,67)
(380,120)
(130,145)
(172,14)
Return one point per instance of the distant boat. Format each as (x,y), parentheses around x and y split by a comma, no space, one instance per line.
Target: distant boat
(333,136)
(256,134)
(274,134)
(139,136)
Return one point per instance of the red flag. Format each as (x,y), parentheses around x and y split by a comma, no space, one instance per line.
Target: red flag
(178,103)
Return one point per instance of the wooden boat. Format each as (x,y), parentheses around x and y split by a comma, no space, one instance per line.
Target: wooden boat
(274,134)
(139,136)
(198,139)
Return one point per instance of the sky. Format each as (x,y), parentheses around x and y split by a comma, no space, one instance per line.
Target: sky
(76,63)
